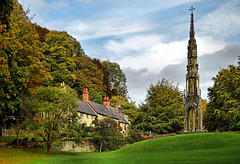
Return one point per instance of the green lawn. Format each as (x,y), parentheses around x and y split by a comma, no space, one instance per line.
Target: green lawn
(186,148)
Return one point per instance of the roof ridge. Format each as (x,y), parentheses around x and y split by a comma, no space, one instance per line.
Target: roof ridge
(91,107)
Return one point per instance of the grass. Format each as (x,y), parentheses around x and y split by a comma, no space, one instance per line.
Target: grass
(15,155)
(185,148)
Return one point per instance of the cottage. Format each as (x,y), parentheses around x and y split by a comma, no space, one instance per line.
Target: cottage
(89,111)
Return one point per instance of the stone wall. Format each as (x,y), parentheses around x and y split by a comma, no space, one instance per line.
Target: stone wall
(71,146)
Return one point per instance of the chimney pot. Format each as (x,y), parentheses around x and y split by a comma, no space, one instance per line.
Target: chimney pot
(106,102)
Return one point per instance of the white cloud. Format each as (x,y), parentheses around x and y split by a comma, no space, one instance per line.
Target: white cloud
(147,52)
(84,30)
(208,45)
(151,52)
(135,43)
(85,1)
(223,22)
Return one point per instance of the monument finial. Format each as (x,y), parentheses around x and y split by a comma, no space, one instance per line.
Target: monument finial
(191,9)
(192,33)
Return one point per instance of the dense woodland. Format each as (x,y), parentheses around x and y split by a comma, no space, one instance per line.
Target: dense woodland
(34,61)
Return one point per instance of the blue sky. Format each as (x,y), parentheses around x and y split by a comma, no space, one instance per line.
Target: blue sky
(148,38)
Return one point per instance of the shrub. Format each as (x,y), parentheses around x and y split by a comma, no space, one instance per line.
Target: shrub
(24,141)
(133,136)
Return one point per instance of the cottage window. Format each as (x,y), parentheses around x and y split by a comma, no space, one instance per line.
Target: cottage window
(86,115)
(92,117)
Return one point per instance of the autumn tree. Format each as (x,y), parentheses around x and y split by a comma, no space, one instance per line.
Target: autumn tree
(117,78)
(27,47)
(56,112)
(163,110)
(42,32)
(223,109)
(13,78)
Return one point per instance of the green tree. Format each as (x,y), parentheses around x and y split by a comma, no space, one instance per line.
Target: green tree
(125,104)
(24,116)
(87,75)
(126,107)
(95,96)
(106,77)
(163,110)
(106,129)
(223,110)
(56,112)
(58,57)
(117,78)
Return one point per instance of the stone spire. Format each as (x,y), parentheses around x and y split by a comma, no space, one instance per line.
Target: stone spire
(192,33)
(192,108)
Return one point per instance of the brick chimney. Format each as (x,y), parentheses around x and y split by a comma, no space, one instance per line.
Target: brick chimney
(106,102)
(118,107)
(85,95)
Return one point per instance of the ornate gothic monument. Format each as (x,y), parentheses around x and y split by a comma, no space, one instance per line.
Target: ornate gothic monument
(192,108)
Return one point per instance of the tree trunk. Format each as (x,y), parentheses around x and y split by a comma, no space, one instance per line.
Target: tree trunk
(17,141)
(100,150)
(17,133)
(48,144)
(48,148)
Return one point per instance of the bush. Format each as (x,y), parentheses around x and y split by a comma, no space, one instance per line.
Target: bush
(94,138)
(24,141)
(8,140)
(38,145)
(133,136)
(114,142)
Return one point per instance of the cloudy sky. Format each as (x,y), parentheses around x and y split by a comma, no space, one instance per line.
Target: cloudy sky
(148,38)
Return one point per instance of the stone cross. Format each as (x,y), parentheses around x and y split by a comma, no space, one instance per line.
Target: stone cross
(192,9)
